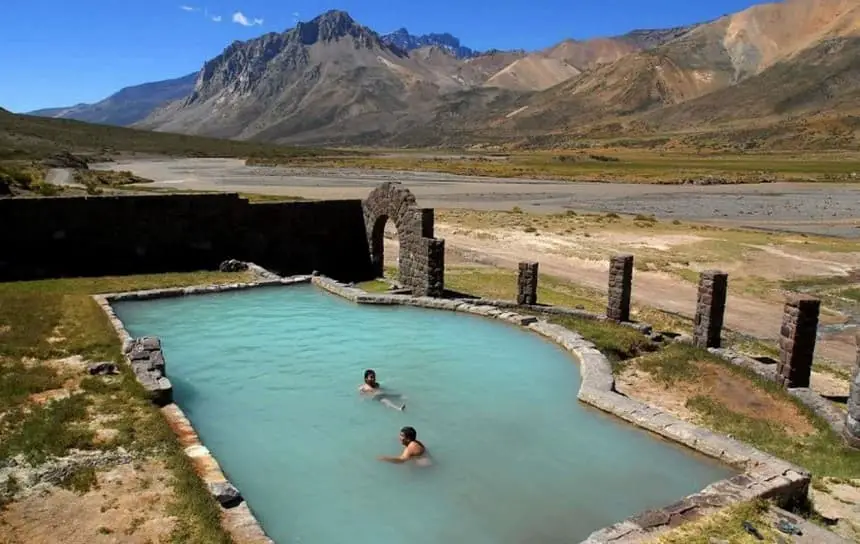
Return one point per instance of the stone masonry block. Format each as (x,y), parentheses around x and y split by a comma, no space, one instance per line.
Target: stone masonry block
(710,308)
(620,288)
(797,340)
(851,430)
(527,283)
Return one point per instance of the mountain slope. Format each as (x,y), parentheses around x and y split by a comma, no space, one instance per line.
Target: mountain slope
(330,76)
(824,79)
(544,69)
(128,105)
(709,58)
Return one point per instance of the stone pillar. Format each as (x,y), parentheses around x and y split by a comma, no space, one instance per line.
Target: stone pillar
(851,432)
(620,287)
(710,308)
(527,283)
(797,340)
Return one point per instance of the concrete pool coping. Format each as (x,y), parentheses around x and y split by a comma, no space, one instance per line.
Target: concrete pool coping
(763,476)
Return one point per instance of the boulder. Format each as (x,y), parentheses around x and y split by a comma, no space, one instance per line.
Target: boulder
(225,493)
(232,265)
(102,369)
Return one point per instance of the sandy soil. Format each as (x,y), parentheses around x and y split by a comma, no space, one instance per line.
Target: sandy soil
(802,207)
(557,257)
(127,506)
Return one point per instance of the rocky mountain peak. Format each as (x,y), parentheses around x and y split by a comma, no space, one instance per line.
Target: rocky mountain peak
(330,26)
(402,39)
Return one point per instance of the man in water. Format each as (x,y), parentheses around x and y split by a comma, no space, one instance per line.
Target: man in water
(372,388)
(412,449)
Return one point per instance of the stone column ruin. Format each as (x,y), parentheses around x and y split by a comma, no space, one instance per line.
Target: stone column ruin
(620,287)
(851,431)
(710,308)
(797,340)
(527,283)
(421,262)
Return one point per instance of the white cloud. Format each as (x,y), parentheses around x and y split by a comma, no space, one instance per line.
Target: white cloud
(216,18)
(240,19)
(188,8)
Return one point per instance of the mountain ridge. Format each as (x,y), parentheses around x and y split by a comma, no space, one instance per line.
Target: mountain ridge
(332,80)
(126,106)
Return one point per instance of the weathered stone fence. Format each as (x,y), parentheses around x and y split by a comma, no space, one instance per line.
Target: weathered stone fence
(762,475)
(797,335)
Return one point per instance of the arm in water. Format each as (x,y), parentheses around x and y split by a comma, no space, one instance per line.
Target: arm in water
(410,451)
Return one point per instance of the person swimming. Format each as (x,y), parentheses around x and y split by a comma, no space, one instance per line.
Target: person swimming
(413,449)
(374,390)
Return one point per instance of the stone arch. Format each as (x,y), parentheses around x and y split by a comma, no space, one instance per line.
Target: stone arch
(422,257)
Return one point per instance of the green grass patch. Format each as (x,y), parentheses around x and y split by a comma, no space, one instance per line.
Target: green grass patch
(725,525)
(374,286)
(63,310)
(806,284)
(674,363)
(198,518)
(502,284)
(822,453)
(610,166)
(18,381)
(617,342)
(851,294)
(49,430)
(57,318)
(24,137)
(81,480)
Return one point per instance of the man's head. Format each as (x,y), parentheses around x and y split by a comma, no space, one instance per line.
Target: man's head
(407,435)
(370,377)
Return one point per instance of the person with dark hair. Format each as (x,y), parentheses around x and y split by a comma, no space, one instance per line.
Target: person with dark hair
(371,388)
(412,448)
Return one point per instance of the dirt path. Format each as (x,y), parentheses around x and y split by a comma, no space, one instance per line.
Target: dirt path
(757,318)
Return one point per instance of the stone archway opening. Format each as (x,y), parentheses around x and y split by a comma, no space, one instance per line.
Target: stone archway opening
(391,209)
(385,248)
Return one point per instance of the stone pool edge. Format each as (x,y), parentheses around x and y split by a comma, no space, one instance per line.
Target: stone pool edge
(764,476)
(239,521)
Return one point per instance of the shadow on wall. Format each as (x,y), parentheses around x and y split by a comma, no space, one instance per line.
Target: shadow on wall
(121,235)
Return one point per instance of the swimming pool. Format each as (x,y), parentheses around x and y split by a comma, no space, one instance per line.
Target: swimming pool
(269,379)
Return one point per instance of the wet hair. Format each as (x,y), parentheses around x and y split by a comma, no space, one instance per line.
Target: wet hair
(369,372)
(409,433)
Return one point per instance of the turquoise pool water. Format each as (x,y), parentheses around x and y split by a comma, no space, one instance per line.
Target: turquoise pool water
(269,379)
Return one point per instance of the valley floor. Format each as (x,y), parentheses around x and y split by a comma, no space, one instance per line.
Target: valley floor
(814,208)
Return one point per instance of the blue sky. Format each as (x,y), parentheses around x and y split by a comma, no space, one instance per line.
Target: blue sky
(62,52)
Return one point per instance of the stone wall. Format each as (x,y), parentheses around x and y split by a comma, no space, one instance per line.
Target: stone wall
(710,308)
(851,430)
(107,235)
(421,262)
(620,287)
(527,283)
(797,340)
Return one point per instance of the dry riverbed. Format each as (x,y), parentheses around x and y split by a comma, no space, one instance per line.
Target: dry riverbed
(821,208)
